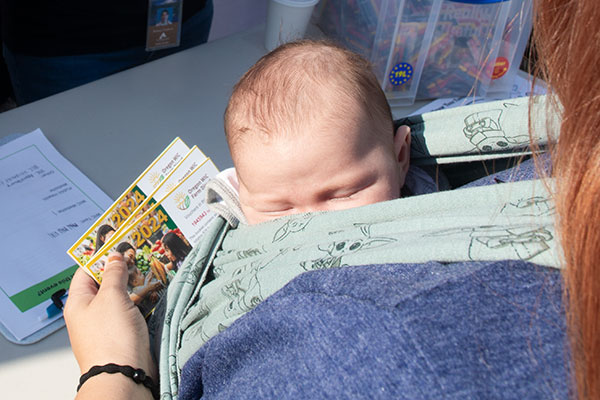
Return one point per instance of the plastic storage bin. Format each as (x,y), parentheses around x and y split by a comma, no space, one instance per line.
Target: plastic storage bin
(464,48)
(393,34)
(433,48)
(512,47)
(400,46)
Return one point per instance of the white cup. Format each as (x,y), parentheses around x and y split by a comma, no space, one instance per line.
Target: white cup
(287,21)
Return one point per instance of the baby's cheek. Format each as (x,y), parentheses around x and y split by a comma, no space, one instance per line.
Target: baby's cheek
(382,193)
(251,218)
(392,189)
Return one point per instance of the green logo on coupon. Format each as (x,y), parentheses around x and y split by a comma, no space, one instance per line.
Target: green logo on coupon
(182,201)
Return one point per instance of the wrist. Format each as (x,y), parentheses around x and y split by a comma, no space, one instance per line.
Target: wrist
(148,368)
(137,363)
(141,358)
(113,386)
(124,378)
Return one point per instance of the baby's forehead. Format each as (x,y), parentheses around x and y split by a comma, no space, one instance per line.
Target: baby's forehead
(328,132)
(329,113)
(337,148)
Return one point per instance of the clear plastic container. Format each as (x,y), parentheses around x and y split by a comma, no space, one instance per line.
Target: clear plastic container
(513,44)
(401,42)
(463,51)
(422,49)
(352,23)
(393,34)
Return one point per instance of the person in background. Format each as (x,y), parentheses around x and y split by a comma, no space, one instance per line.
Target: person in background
(7,101)
(176,250)
(164,19)
(104,233)
(53,46)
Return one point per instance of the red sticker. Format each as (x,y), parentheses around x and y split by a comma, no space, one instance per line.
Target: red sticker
(500,68)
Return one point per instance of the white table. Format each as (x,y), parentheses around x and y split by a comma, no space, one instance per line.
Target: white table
(111,129)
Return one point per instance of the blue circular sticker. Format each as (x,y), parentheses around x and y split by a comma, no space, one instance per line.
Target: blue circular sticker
(401,74)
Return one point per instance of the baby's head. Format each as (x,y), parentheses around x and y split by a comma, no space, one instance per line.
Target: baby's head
(309,129)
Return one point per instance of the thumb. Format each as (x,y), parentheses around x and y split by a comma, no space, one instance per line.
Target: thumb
(115,273)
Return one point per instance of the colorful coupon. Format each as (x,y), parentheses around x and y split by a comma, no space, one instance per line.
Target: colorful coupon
(192,160)
(155,245)
(101,231)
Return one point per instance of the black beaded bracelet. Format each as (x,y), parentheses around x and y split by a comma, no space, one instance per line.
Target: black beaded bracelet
(137,374)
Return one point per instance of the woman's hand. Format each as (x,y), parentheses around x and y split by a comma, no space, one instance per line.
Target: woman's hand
(103,323)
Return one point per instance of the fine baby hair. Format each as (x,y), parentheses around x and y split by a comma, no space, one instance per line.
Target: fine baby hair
(303,85)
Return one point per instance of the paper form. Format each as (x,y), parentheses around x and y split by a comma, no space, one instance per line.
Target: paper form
(46,204)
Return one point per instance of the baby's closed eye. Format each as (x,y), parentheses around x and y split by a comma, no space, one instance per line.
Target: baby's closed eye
(274,208)
(347,194)
(276,211)
(343,197)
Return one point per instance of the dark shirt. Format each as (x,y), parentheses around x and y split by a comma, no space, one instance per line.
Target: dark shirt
(72,27)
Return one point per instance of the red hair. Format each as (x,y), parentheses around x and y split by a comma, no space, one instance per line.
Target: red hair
(567,40)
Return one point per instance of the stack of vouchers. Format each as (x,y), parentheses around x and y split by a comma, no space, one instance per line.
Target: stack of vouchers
(154,224)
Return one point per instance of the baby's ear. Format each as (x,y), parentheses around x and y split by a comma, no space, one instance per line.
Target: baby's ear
(402,149)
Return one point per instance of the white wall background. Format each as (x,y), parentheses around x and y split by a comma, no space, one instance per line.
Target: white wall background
(232,16)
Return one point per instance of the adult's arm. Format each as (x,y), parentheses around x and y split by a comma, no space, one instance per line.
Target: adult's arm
(104,327)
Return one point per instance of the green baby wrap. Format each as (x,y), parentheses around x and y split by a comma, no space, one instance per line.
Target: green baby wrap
(499,222)
(508,221)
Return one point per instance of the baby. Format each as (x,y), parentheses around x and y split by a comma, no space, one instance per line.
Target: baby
(309,129)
